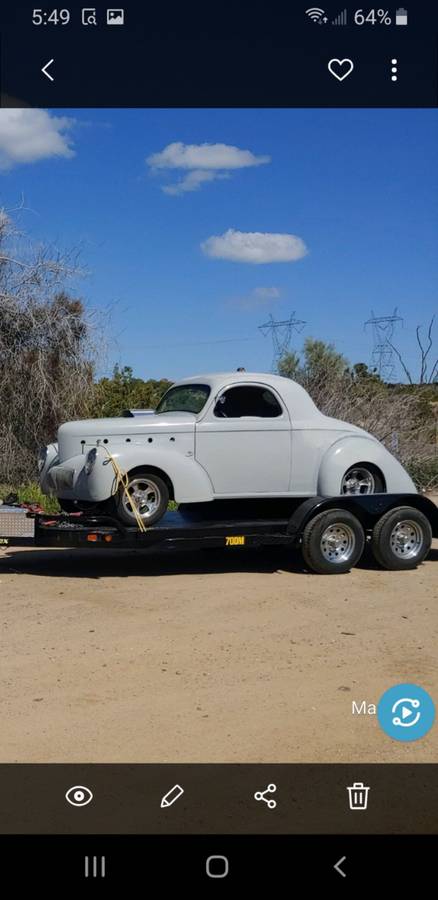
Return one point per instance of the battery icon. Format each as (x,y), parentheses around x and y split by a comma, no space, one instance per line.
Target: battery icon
(401,16)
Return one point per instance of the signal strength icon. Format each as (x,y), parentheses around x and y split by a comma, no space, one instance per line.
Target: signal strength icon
(341,19)
(317,14)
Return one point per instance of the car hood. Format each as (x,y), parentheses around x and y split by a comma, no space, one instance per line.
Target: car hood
(178,421)
(75,437)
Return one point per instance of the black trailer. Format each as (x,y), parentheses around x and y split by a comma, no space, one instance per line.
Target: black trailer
(330,531)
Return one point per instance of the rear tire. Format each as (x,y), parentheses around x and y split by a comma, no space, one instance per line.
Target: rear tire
(333,542)
(362,478)
(401,539)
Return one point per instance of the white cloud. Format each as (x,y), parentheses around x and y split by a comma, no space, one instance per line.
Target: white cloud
(204,156)
(30,135)
(193,181)
(266,293)
(259,297)
(203,162)
(254,247)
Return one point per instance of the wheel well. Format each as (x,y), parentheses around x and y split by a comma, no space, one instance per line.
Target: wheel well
(156,471)
(372,468)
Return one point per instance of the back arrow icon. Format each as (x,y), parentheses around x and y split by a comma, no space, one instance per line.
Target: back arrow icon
(45,72)
(338,865)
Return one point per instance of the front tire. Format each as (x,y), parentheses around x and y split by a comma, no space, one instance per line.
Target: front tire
(149,493)
(401,539)
(333,542)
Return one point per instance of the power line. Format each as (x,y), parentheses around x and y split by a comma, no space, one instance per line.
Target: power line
(383,358)
(281,334)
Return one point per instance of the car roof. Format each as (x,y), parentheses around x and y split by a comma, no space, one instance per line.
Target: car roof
(293,394)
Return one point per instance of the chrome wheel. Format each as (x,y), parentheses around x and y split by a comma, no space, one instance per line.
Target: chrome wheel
(145,494)
(358,480)
(406,539)
(338,543)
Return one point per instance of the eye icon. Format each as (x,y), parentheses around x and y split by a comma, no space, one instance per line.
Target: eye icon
(79,795)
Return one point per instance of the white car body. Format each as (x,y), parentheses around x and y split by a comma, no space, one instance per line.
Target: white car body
(298,452)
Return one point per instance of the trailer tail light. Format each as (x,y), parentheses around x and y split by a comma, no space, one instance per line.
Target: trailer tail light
(92,538)
(108,538)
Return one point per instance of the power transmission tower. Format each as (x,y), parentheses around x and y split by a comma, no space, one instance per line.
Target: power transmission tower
(281,333)
(383,328)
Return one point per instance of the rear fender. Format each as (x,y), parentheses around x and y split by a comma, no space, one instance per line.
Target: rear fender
(353,449)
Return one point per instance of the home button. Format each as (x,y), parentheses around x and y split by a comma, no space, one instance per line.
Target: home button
(217,866)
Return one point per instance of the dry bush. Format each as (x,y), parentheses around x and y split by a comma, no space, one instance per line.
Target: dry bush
(47,349)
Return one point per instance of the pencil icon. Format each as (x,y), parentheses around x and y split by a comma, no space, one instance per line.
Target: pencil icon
(172,796)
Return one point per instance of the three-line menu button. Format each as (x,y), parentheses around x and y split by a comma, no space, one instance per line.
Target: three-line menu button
(95,867)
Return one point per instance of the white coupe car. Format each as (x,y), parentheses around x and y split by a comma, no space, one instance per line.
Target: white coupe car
(220,436)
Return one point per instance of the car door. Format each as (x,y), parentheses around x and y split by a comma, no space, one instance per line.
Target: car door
(244,442)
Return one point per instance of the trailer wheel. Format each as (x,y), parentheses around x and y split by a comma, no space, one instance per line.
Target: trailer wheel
(402,538)
(333,542)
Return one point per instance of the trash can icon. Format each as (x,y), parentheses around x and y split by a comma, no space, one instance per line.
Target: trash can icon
(358,795)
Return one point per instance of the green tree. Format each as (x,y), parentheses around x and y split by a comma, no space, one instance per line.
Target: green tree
(123,391)
(289,366)
(322,360)
(362,374)
(318,360)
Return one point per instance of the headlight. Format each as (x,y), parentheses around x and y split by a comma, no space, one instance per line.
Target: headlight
(42,456)
(90,461)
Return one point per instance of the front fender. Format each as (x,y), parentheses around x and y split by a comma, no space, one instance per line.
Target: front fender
(353,449)
(190,482)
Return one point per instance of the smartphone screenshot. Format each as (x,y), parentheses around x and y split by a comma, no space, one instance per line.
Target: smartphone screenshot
(218,446)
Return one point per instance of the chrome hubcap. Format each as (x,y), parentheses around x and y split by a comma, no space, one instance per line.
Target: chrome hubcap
(146,496)
(358,481)
(338,542)
(406,539)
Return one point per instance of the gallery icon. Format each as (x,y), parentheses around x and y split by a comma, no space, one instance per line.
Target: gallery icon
(406,712)
(115,17)
(358,795)
(261,795)
(79,795)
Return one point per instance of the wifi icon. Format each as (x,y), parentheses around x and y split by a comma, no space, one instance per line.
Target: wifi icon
(317,14)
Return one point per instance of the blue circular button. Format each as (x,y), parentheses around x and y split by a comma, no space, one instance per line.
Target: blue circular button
(406,712)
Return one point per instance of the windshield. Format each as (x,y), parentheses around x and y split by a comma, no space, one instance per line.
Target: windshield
(184,398)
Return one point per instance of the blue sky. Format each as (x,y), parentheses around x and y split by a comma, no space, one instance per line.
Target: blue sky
(359,188)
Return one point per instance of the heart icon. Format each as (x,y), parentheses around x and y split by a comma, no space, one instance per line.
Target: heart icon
(340,68)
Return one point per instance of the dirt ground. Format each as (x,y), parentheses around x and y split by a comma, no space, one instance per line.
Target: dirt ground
(225,656)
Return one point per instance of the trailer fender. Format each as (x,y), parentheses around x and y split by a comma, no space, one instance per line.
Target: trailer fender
(368,508)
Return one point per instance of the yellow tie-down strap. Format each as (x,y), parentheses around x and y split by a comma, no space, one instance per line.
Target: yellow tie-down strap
(122,480)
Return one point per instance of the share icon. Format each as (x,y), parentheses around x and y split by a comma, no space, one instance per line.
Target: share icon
(260,795)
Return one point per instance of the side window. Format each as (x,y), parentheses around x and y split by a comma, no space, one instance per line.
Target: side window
(247,401)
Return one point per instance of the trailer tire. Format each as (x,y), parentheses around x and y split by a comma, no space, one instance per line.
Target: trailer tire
(333,542)
(401,539)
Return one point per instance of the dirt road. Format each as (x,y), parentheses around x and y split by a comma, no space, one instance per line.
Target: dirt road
(222,657)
